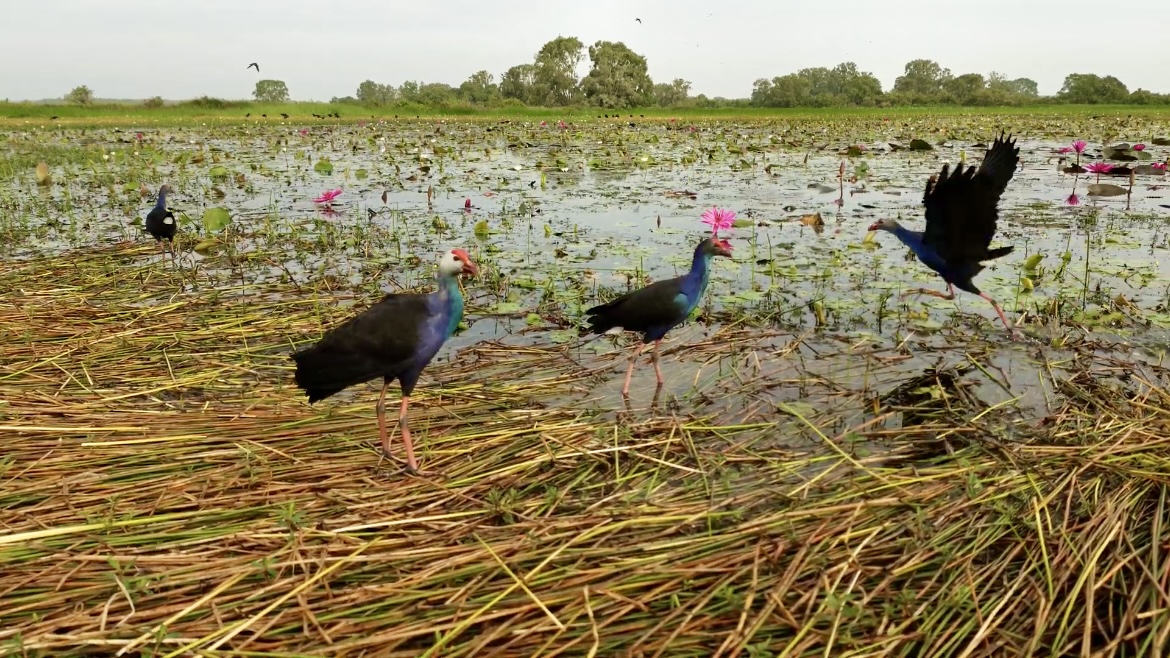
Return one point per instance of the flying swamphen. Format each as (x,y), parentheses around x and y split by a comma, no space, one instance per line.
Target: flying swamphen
(393,339)
(160,222)
(659,307)
(961,212)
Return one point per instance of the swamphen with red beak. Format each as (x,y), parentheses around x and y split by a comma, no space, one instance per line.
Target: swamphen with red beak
(659,307)
(393,339)
(961,213)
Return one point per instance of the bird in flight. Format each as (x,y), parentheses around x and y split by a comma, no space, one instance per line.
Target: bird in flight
(255,65)
(638,19)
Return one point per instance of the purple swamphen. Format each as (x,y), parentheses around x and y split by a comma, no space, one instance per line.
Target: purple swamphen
(961,213)
(659,307)
(160,222)
(393,339)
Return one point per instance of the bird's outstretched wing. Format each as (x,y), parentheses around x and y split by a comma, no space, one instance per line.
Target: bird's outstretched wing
(254,65)
(962,206)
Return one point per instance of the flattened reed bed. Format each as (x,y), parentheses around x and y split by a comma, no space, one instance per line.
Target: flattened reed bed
(165,491)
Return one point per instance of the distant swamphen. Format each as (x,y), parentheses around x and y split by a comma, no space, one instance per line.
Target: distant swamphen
(961,213)
(659,307)
(160,222)
(393,339)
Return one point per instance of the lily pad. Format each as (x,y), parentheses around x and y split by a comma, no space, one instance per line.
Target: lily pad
(1105,189)
(323,167)
(218,171)
(216,219)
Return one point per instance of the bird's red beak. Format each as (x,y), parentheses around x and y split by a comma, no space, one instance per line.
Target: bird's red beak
(875,226)
(470,268)
(723,248)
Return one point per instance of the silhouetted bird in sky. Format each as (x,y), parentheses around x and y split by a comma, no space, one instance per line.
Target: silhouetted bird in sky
(254,64)
(638,19)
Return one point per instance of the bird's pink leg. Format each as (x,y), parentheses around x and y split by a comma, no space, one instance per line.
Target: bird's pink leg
(382,420)
(630,369)
(654,358)
(1003,317)
(411,464)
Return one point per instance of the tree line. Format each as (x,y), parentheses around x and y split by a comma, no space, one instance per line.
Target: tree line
(618,78)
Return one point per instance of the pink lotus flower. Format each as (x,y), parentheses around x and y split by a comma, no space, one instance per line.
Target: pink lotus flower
(1139,147)
(1073,200)
(543,124)
(304,131)
(1099,168)
(1159,165)
(328,196)
(1064,149)
(719,219)
(1079,146)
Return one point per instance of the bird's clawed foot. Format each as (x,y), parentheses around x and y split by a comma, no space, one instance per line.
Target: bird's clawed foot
(928,291)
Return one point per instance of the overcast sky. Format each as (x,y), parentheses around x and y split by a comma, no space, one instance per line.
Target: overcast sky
(178,50)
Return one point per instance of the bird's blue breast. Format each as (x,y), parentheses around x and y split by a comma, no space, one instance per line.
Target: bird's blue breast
(928,256)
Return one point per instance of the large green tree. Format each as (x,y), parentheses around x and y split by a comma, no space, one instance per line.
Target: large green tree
(671,94)
(843,84)
(480,88)
(519,82)
(1090,88)
(373,93)
(556,71)
(80,95)
(271,91)
(618,76)
(965,89)
(922,77)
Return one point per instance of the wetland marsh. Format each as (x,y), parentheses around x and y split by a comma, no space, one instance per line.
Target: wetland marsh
(829,469)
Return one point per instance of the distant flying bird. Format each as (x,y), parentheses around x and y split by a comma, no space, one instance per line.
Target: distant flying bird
(961,215)
(253,64)
(638,19)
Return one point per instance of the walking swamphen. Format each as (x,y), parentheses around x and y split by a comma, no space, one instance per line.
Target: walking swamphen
(160,221)
(659,307)
(393,339)
(961,213)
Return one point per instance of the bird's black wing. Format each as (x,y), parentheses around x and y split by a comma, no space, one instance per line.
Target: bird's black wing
(641,309)
(962,206)
(382,341)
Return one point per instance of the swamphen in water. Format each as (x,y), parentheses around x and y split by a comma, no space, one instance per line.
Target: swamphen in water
(160,222)
(961,213)
(659,307)
(393,339)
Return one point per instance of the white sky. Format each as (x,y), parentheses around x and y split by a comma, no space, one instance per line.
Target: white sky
(178,50)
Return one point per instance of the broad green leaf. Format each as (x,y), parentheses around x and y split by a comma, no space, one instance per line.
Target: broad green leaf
(216,219)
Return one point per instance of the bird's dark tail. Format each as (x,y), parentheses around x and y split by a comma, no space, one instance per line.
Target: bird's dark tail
(998,252)
(322,372)
(999,164)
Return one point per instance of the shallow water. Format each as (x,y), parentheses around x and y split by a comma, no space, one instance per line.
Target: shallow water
(597,206)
